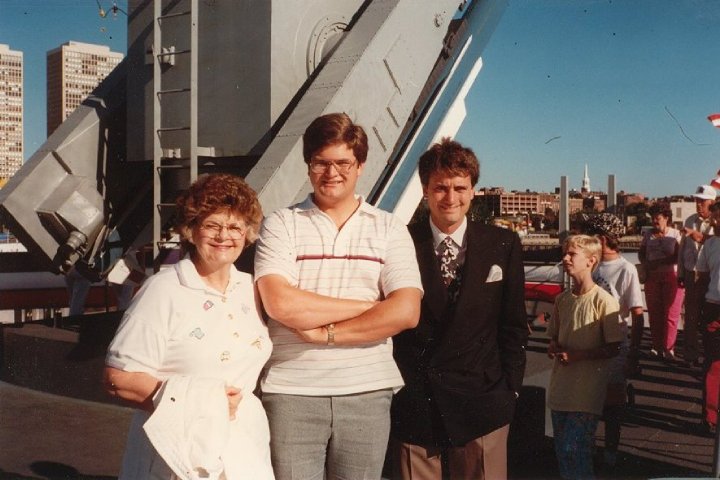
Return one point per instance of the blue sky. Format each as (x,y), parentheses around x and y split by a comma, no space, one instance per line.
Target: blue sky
(564,83)
(36,26)
(599,75)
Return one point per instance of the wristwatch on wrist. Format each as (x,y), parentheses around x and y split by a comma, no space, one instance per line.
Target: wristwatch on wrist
(331,334)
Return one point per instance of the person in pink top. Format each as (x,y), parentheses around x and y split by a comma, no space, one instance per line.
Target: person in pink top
(664,297)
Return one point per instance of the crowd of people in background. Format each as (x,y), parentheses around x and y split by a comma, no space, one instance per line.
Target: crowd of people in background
(682,269)
(597,326)
(679,268)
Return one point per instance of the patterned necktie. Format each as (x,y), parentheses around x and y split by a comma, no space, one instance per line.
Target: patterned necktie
(450,268)
(448,261)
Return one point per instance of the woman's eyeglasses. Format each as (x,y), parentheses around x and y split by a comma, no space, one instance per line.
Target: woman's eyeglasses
(234,230)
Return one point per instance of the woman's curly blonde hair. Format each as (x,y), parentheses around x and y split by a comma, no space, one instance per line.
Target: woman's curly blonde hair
(210,194)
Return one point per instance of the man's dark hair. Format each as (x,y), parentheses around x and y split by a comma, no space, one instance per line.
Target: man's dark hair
(450,157)
(333,129)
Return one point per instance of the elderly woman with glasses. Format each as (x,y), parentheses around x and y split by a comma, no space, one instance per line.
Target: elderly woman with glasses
(191,346)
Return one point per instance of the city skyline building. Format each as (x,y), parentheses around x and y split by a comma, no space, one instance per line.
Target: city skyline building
(74,69)
(501,202)
(11,112)
(586,181)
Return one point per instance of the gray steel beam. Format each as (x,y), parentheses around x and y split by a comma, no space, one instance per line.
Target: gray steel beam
(375,75)
(375,71)
(441,108)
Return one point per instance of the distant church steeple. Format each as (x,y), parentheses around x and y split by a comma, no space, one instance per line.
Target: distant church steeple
(586,181)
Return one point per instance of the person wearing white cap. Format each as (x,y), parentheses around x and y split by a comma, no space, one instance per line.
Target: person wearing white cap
(708,268)
(697,228)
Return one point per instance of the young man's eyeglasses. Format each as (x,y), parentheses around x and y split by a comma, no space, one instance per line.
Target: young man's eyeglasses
(234,230)
(321,166)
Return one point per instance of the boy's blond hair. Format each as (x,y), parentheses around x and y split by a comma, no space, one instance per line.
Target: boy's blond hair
(590,246)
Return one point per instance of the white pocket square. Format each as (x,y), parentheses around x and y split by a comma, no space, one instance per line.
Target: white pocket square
(495,274)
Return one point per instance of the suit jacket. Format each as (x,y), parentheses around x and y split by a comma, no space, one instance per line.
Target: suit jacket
(463,363)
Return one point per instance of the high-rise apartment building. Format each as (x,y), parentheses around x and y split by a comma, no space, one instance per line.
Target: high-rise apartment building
(74,69)
(11,112)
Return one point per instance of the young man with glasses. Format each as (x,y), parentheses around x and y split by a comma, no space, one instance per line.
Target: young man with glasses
(338,278)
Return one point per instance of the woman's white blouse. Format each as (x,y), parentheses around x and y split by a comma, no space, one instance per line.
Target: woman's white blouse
(179,326)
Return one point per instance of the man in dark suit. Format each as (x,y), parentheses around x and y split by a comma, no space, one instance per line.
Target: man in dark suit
(463,364)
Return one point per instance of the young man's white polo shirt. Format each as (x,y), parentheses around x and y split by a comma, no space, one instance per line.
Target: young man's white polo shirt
(371,256)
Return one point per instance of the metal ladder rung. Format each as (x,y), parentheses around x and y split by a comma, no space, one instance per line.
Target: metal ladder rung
(172,129)
(173,15)
(173,90)
(173,167)
(176,52)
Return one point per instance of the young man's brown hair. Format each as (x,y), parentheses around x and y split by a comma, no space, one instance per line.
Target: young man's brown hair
(451,157)
(332,129)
